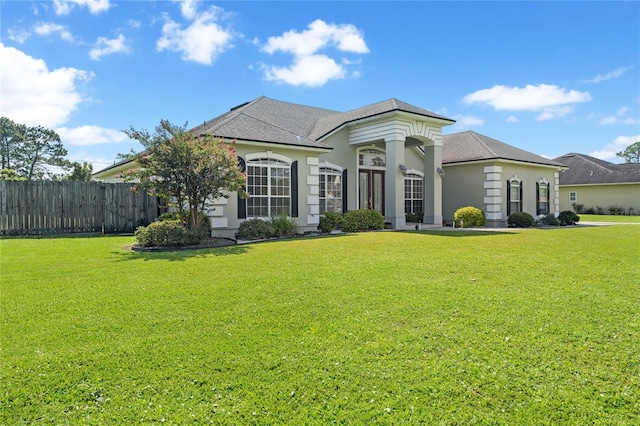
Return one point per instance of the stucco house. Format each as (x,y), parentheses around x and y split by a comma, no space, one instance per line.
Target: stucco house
(301,161)
(597,183)
(498,178)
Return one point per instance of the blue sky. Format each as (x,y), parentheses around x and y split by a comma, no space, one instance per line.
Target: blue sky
(547,77)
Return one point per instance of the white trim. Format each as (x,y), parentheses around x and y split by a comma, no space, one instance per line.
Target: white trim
(312,161)
(270,155)
(327,165)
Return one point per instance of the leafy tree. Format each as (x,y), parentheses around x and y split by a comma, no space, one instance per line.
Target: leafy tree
(29,150)
(80,172)
(631,154)
(187,169)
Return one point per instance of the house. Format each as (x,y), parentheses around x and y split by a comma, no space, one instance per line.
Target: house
(496,177)
(598,184)
(301,161)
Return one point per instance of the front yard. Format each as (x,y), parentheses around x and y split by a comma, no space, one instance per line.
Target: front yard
(537,326)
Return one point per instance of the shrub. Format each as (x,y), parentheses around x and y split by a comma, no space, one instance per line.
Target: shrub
(283,226)
(255,229)
(167,233)
(469,217)
(414,217)
(203,219)
(568,217)
(362,220)
(550,220)
(615,210)
(520,220)
(578,208)
(329,221)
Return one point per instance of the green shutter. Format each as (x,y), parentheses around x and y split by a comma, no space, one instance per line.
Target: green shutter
(508,198)
(537,198)
(521,192)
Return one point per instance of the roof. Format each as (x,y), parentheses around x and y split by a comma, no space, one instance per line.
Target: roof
(328,123)
(471,146)
(268,120)
(585,170)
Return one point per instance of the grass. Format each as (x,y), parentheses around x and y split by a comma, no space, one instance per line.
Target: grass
(608,218)
(539,326)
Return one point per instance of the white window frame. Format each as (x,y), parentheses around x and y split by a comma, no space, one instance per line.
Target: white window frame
(331,202)
(275,167)
(412,177)
(573,196)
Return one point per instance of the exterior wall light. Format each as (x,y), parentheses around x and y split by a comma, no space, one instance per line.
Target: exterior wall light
(403,169)
(440,171)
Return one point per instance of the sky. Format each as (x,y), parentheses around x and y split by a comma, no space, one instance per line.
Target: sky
(547,77)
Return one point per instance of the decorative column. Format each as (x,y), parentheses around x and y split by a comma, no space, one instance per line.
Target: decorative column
(493,195)
(556,194)
(394,183)
(313,184)
(432,185)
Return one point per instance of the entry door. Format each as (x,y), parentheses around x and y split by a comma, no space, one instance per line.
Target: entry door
(371,187)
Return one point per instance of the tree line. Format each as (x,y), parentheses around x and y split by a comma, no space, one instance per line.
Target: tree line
(32,153)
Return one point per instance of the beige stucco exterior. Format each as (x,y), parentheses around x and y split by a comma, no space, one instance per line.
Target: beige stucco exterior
(625,195)
(484,185)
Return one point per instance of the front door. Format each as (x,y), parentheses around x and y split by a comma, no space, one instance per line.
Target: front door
(371,188)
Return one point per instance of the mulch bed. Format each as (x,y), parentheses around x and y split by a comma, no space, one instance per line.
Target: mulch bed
(211,243)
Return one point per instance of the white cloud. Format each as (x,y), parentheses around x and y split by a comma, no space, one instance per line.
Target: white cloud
(104,46)
(91,135)
(613,74)
(617,145)
(305,45)
(464,121)
(32,94)
(552,101)
(619,118)
(188,8)
(64,7)
(202,41)
(49,28)
(512,119)
(19,35)
(313,71)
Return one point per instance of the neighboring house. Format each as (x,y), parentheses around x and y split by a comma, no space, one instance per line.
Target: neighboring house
(497,178)
(595,183)
(301,161)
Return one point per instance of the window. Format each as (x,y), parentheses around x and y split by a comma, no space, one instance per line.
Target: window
(413,186)
(573,197)
(330,190)
(269,186)
(371,158)
(542,196)
(514,196)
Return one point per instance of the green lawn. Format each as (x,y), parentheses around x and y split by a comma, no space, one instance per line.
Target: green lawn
(539,326)
(608,218)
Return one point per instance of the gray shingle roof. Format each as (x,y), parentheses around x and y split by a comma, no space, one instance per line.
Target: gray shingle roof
(328,123)
(471,146)
(268,120)
(585,170)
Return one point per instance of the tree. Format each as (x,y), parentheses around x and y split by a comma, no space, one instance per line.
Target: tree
(631,154)
(80,172)
(10,174)
(184,168)
(29,150)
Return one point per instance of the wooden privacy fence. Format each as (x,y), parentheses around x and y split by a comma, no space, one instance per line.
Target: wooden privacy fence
(45,207)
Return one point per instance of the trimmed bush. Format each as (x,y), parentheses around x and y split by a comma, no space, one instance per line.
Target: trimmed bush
(520,220)
(329,221)
(362,220)
(255,229)
(568,217)
(469,217)
(203,219)
(283,226)
(167,233)
(549,220)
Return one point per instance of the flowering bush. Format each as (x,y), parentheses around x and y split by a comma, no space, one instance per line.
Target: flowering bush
(469,217)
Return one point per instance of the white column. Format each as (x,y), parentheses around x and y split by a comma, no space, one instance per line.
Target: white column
(394,184)
(432,185)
